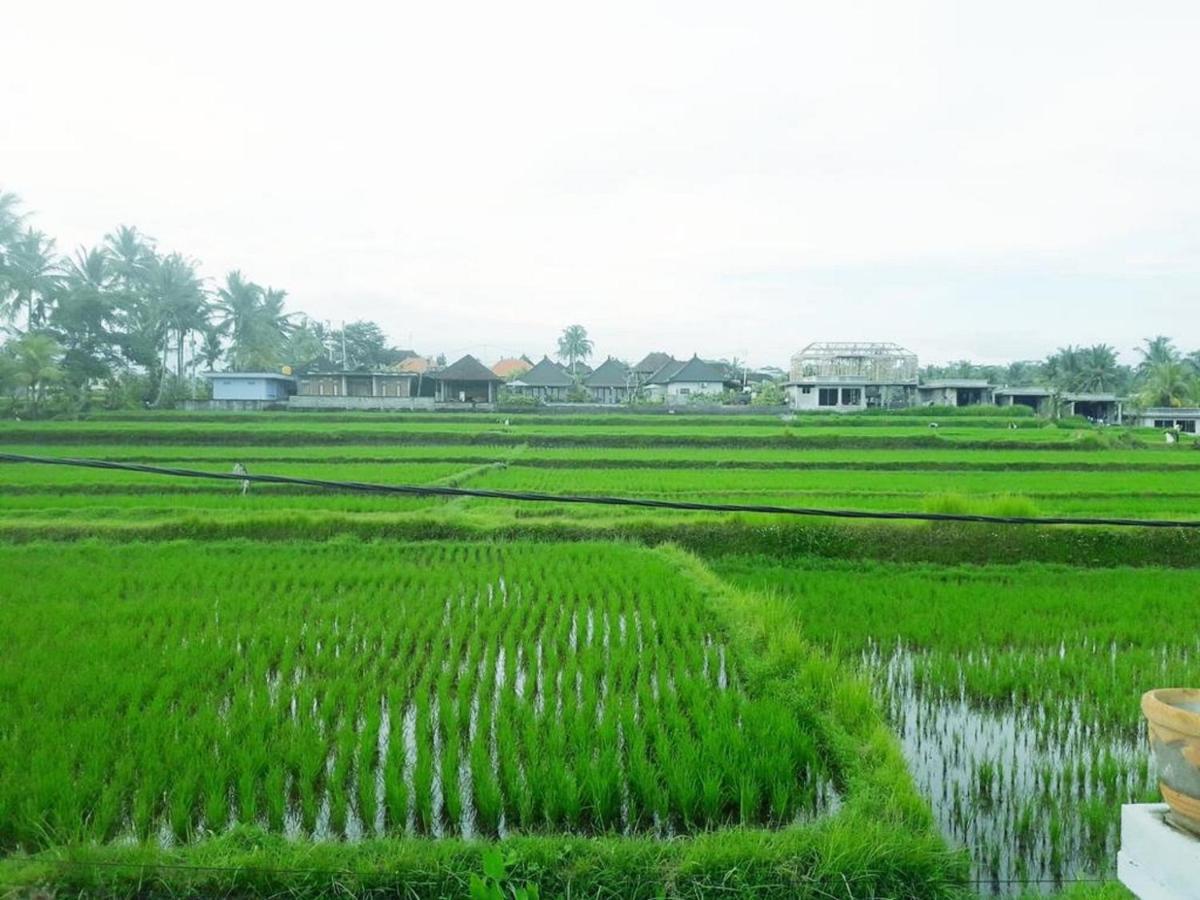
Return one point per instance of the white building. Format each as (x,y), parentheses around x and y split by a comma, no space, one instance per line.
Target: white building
(955,392)
(843,377)
(261,386)
(684,382)
(1039,399)
(1167,418)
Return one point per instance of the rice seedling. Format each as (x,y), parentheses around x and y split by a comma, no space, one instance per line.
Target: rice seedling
(514,702)
(1013,690)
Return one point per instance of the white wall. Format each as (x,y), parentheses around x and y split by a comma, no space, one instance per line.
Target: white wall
(683,391)
(811,400)
(248,389)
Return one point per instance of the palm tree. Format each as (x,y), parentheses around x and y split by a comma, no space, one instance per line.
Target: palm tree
(31,278)
(35,365)
(10,227)
(180,297)
(1192,361)
(212,349)
(1154,352)
(141,324)
(1168,383)
(574,345)
(1100,370)
(254,320)
(84,316)
(1084,369)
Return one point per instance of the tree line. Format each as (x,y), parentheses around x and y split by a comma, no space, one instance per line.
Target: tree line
(1164,376)
(139,322)
(132,325)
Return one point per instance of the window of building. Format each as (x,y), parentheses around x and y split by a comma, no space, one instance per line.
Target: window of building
(685,390)
(827,397)
(851,396)
(1163,423)
(806,390)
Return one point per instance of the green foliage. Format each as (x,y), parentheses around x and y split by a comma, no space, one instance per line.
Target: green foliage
(588,665)
(770,394)
(495,883)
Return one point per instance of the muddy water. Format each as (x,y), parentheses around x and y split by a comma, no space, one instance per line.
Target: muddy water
(1034,798)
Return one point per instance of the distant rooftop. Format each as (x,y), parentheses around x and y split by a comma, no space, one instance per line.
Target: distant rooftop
(956,383)
(240,375)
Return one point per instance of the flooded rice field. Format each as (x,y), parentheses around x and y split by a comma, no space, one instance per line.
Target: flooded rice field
(1032,790)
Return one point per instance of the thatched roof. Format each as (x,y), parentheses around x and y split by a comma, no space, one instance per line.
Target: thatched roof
(652,363)
(610,373)
(547,373)
(662,375)
(466,369)
(696,369)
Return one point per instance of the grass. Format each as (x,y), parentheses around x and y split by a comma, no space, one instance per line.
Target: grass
(417,740)
(1015,685)
(587,668)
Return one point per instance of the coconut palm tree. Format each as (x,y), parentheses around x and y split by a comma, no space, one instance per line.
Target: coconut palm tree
(10,227)
(1155,352)
(179,295)
(254,320)
(574,345)
(34,361)
(141,324)
(212,349)
(84,317)
(31,278)
(1168,383)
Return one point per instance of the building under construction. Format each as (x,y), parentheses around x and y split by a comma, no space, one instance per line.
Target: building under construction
(839,376)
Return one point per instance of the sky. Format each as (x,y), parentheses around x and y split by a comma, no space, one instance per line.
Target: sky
(972,180)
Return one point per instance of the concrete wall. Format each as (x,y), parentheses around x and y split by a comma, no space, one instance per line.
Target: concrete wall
(233,388)
(305,401)
(683,391)
(808,397)
(230,405)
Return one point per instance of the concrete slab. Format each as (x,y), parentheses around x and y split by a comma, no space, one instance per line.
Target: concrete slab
(1157,861)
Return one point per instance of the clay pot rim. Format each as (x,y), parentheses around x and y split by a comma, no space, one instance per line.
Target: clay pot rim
(1158,707)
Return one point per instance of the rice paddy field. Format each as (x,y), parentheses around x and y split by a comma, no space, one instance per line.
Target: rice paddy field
(312,691)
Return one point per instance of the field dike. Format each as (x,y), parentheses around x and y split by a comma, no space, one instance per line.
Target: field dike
(729,535)
(879,841)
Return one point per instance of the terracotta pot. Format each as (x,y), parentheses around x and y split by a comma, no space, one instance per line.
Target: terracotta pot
(1174,717)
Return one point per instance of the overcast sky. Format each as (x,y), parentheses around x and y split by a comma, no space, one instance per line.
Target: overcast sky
(985,180)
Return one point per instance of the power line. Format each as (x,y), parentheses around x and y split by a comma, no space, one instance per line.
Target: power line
(599,500)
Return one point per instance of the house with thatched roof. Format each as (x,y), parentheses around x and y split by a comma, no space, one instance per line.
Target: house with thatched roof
(611,382)
(466,380)
(650,364)
(683,382)
(547,382)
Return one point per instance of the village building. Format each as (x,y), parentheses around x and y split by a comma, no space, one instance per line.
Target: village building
(955,392)
(253,387)
(684,382)
(611,382)
(547,382)
(512,367)
(358,383)
(467,380)
(843,377)
(649,364)
(1039,399)
(1101,408)
(1168,418)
